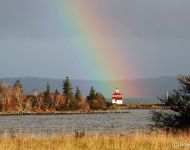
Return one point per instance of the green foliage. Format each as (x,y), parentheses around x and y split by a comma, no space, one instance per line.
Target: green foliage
(12,99)
(18,87)
(57,92)
(74,105)
(48,89)
(92,94)
(97,104)
(100,96)
(17,84)
(78,94)
(47,94)
(178,102)
(96,100)
(67,88)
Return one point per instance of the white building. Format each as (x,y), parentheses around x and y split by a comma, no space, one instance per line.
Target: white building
(117,97)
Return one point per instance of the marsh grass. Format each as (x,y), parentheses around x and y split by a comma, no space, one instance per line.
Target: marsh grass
(153,141)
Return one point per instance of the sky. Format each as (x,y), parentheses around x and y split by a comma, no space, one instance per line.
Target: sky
(94,40)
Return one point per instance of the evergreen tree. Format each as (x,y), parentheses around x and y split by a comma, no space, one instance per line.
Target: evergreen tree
(17,84)
(47,93)
(48,89)
(178,102)
(18,87)
(100,96)
(92,94)
(78,94)
(57,92)
(67,88)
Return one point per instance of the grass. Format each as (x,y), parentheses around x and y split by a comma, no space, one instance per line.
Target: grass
(159,141)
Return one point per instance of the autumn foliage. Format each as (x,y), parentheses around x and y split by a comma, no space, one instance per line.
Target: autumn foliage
(14,100)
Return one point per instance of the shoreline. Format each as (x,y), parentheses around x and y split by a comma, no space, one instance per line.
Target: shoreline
(113,109)
(60,113)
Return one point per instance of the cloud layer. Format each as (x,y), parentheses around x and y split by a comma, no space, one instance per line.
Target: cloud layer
(154,36)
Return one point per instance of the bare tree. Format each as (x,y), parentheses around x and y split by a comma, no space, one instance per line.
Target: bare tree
(19,97)
(6,95)
(28,105)
(40,99)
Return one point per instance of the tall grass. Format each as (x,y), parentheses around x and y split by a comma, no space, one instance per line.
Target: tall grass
(159,141)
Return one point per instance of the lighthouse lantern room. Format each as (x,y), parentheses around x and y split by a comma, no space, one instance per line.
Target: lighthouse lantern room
(117,97)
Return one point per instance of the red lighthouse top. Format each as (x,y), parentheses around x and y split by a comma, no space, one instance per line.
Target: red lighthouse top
(117,95)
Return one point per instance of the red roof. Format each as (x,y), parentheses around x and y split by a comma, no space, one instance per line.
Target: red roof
(117,95)
(117,98)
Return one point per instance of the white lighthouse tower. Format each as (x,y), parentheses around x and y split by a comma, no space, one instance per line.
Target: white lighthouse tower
(117,97)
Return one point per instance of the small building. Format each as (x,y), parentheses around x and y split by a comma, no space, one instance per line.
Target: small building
(117,97)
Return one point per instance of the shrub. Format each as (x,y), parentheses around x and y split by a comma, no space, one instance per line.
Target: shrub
(178,103)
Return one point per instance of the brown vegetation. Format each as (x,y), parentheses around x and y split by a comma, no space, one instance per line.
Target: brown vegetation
(152,141)
(138,106)
(14,101)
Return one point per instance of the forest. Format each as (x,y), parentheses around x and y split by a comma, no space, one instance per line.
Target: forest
(13,99)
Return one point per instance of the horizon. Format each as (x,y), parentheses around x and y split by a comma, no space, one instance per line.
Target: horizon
(142,78)
(137,88)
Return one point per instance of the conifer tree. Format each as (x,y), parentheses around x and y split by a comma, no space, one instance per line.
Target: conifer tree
(17,84)
(78,94)
(67,87)
(48,89)
(57,92)
(47,95)
(178,103)
(92,94)
(100,96)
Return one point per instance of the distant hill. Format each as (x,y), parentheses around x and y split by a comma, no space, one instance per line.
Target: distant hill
(139,88)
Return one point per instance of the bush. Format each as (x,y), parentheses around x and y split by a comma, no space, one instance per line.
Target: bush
(178,102)
(74,105)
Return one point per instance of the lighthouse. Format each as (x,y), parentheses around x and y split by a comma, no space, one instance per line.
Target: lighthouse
(117,97)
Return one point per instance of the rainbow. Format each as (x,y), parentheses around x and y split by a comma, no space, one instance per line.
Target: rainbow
(101,57)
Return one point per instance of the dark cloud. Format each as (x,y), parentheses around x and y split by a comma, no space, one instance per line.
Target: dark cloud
(154,34)
(143,19)
(151,18)
(28,19)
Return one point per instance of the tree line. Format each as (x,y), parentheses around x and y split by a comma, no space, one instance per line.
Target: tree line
(13,99)
(176,116)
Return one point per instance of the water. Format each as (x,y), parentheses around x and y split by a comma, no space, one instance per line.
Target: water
(89,123)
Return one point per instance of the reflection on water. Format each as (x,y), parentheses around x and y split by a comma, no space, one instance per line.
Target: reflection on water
(89,123)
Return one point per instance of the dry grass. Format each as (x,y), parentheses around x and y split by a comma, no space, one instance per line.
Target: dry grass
(97,142)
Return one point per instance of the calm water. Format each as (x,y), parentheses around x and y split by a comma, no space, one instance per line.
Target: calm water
(89,123)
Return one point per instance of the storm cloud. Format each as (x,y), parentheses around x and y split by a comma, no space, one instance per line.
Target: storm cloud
(154,36)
